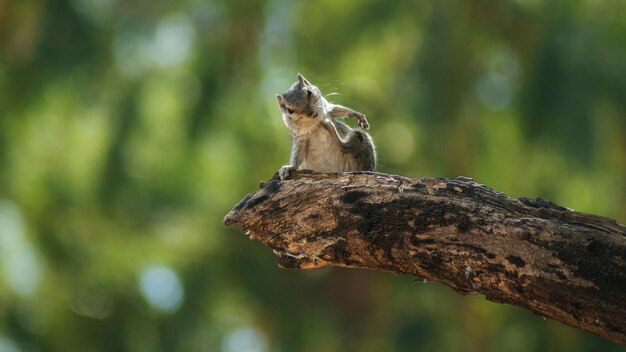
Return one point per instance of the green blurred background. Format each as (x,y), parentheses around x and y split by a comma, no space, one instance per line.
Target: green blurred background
(128,129)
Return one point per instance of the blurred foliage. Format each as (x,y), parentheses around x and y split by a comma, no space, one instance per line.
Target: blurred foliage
(128,129)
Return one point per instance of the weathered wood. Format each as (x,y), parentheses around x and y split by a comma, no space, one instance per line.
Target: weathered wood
(559,263)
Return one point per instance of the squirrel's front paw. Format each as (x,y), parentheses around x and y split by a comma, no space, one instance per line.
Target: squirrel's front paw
(362,121)
(286,172)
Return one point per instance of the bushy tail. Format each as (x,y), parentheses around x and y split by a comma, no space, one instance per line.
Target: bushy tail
(366,156)
(358,143)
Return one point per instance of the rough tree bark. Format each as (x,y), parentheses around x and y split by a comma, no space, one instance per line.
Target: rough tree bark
(559,263)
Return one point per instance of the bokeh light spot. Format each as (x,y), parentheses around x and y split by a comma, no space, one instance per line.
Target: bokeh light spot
(91,303)
(7,345)
(172,41)
(246,339)
(498,86)
(162,288)
(21,269)
(494,90)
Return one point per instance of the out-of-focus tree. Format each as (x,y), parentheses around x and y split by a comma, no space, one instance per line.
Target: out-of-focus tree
(129,128)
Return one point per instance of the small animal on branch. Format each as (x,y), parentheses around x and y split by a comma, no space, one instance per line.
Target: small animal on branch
(320,142)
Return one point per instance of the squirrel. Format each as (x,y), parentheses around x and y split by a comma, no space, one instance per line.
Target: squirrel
(319,142)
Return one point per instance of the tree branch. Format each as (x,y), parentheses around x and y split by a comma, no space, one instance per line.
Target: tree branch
(559,263)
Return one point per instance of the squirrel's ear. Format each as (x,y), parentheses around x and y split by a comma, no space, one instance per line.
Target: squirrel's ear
(303,80)
(281,100)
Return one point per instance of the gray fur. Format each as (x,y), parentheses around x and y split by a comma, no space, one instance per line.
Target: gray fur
(319,141)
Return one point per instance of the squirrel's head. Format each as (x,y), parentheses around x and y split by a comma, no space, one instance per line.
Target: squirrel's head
(302,103)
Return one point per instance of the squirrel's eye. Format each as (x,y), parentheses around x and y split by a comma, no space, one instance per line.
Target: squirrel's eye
(289,111)
(308,92)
